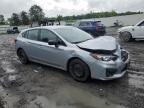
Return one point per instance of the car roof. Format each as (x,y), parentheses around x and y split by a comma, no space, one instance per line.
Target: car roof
(48,27)
(89,20)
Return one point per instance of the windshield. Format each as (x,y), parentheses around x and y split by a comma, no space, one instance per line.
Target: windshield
(73,35)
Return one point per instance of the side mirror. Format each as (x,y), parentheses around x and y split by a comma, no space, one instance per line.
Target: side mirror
(52,42)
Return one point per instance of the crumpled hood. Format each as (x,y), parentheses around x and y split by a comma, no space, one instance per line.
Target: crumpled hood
(100,43)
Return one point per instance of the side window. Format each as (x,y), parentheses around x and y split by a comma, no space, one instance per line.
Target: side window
(33,34)
(46,35)
(84,24)
(77,24)
(141,24)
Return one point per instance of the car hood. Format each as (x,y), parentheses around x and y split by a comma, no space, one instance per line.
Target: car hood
(124,28)
(100,43)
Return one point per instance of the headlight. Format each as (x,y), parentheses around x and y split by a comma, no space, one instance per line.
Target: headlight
(104,57)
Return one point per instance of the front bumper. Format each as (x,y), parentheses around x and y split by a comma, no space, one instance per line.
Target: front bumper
(109,71)
(118,75)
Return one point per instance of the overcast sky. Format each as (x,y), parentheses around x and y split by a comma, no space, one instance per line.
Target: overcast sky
(70,7)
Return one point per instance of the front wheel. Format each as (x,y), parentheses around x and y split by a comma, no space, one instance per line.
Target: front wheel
(79,70)
(125,37)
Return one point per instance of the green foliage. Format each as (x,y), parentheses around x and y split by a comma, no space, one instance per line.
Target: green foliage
(129,13)
(96,15)
(36,13)
(24,18)
(15,20)
(2,20)
(91,15)
(59,17)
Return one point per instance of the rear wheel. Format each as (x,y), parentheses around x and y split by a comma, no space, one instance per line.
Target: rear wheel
(79,70)
(22,56)
(125,37)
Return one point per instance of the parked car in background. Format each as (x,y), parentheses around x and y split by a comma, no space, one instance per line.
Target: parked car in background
(129,33)
(95,28)
(73,50)
(12,30)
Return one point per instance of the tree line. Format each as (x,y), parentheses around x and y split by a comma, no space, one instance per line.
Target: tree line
(98,15)
(36,13)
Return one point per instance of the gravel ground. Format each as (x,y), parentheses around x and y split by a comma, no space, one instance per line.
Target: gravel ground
(39,86)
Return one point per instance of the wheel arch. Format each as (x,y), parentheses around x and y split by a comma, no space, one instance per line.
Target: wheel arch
(128,31)
(73,58)
(19,49)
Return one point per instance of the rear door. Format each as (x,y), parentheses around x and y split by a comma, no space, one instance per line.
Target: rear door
(32,43)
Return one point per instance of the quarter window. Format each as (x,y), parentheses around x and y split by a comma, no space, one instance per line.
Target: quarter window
(33,34)
(24,34)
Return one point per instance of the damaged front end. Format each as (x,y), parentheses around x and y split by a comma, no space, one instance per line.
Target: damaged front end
(102,55)
(108,59)
(114,63)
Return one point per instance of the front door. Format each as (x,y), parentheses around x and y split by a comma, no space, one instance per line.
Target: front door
(50,54)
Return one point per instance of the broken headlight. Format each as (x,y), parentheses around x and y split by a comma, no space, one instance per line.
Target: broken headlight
(104,57)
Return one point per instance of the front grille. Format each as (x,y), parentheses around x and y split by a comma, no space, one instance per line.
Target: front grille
(124,55)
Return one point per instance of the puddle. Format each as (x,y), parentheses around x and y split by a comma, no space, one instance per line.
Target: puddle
(71,97)
(42,102)
(8,100)
(74,96)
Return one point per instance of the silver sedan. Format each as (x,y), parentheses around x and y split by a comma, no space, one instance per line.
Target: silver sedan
(73,50)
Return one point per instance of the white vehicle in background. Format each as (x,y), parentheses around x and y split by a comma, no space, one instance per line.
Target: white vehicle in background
(129,33)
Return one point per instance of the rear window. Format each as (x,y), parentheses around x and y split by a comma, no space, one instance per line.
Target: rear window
(85,23)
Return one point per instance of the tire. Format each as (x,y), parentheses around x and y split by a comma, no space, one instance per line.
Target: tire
(79,70)
(125,37)
(22,56)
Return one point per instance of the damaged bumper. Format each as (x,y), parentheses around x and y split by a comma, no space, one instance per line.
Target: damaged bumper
(120,74)
(111,70)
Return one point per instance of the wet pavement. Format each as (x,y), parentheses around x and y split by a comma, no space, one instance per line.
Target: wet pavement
(39,86)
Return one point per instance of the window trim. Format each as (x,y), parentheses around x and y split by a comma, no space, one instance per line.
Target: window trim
(51,32)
